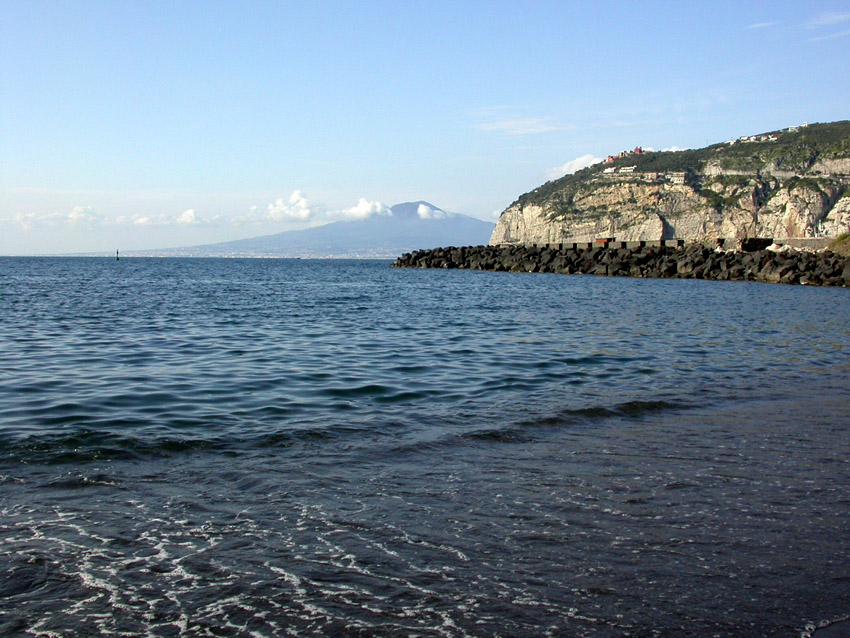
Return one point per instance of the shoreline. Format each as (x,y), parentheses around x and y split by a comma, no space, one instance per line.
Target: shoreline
(694,261)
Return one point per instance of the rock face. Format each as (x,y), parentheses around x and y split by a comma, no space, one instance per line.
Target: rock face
(791,184)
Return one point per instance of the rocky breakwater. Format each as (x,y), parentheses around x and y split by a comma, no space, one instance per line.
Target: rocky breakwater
(695,261)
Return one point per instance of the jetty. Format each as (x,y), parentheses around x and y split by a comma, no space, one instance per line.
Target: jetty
(752,260)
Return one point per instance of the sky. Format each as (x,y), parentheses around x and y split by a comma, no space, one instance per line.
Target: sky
(141,125)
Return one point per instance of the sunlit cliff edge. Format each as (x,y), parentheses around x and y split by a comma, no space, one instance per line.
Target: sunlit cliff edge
(783,184)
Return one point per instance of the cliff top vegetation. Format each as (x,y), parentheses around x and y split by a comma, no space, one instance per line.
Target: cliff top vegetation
(794,150)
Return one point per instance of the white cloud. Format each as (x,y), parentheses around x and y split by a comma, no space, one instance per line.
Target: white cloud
(362,210)
(426,212)
(761,25)
(78,216)
(25,220)
(183,219)
(669,149)
(840,34)
(572,166)
(188,218)
(297,208)
(84,215)
(828,20)
(522,126)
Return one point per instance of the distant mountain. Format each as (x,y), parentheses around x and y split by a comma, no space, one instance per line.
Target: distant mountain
(406,227)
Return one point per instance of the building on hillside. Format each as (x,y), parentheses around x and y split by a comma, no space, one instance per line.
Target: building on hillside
(638,150)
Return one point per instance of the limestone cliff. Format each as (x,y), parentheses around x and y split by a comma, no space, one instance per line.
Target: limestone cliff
(792,183)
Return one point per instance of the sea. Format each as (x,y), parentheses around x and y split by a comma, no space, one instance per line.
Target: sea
(285,447)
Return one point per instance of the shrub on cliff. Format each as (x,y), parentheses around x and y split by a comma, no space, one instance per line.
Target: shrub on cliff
(841,245)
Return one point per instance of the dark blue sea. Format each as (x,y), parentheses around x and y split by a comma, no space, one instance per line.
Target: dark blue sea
(264,448)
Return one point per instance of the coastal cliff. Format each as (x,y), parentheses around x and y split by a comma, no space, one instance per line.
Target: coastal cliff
(789,183)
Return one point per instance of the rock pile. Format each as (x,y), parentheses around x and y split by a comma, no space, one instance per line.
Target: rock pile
(695,261)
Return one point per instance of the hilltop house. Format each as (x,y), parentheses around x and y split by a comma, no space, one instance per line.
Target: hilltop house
(638,151)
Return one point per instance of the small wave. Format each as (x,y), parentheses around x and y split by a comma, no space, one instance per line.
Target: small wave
(181,436)
(81,481)
(26,574)
(369,390)
(627,409)
(522,431)
(405,397)
(123,441)
(90,445)
(680,485)
(829,628)
(499,436)
(412,368)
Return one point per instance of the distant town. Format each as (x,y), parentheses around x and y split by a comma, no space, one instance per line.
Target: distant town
(766,138)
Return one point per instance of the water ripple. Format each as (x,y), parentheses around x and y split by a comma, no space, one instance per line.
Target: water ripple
(229,350)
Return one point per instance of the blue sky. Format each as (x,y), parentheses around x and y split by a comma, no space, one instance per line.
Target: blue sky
(132,125)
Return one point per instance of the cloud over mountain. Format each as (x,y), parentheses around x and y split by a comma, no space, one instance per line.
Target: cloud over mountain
(295,208)
(425,211)
(397,227)
(369,229)
(363,210)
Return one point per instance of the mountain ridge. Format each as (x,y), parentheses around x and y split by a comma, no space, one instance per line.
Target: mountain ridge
(403,227)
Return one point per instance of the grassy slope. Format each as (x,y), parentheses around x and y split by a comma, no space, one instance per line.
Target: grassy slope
(841,245)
